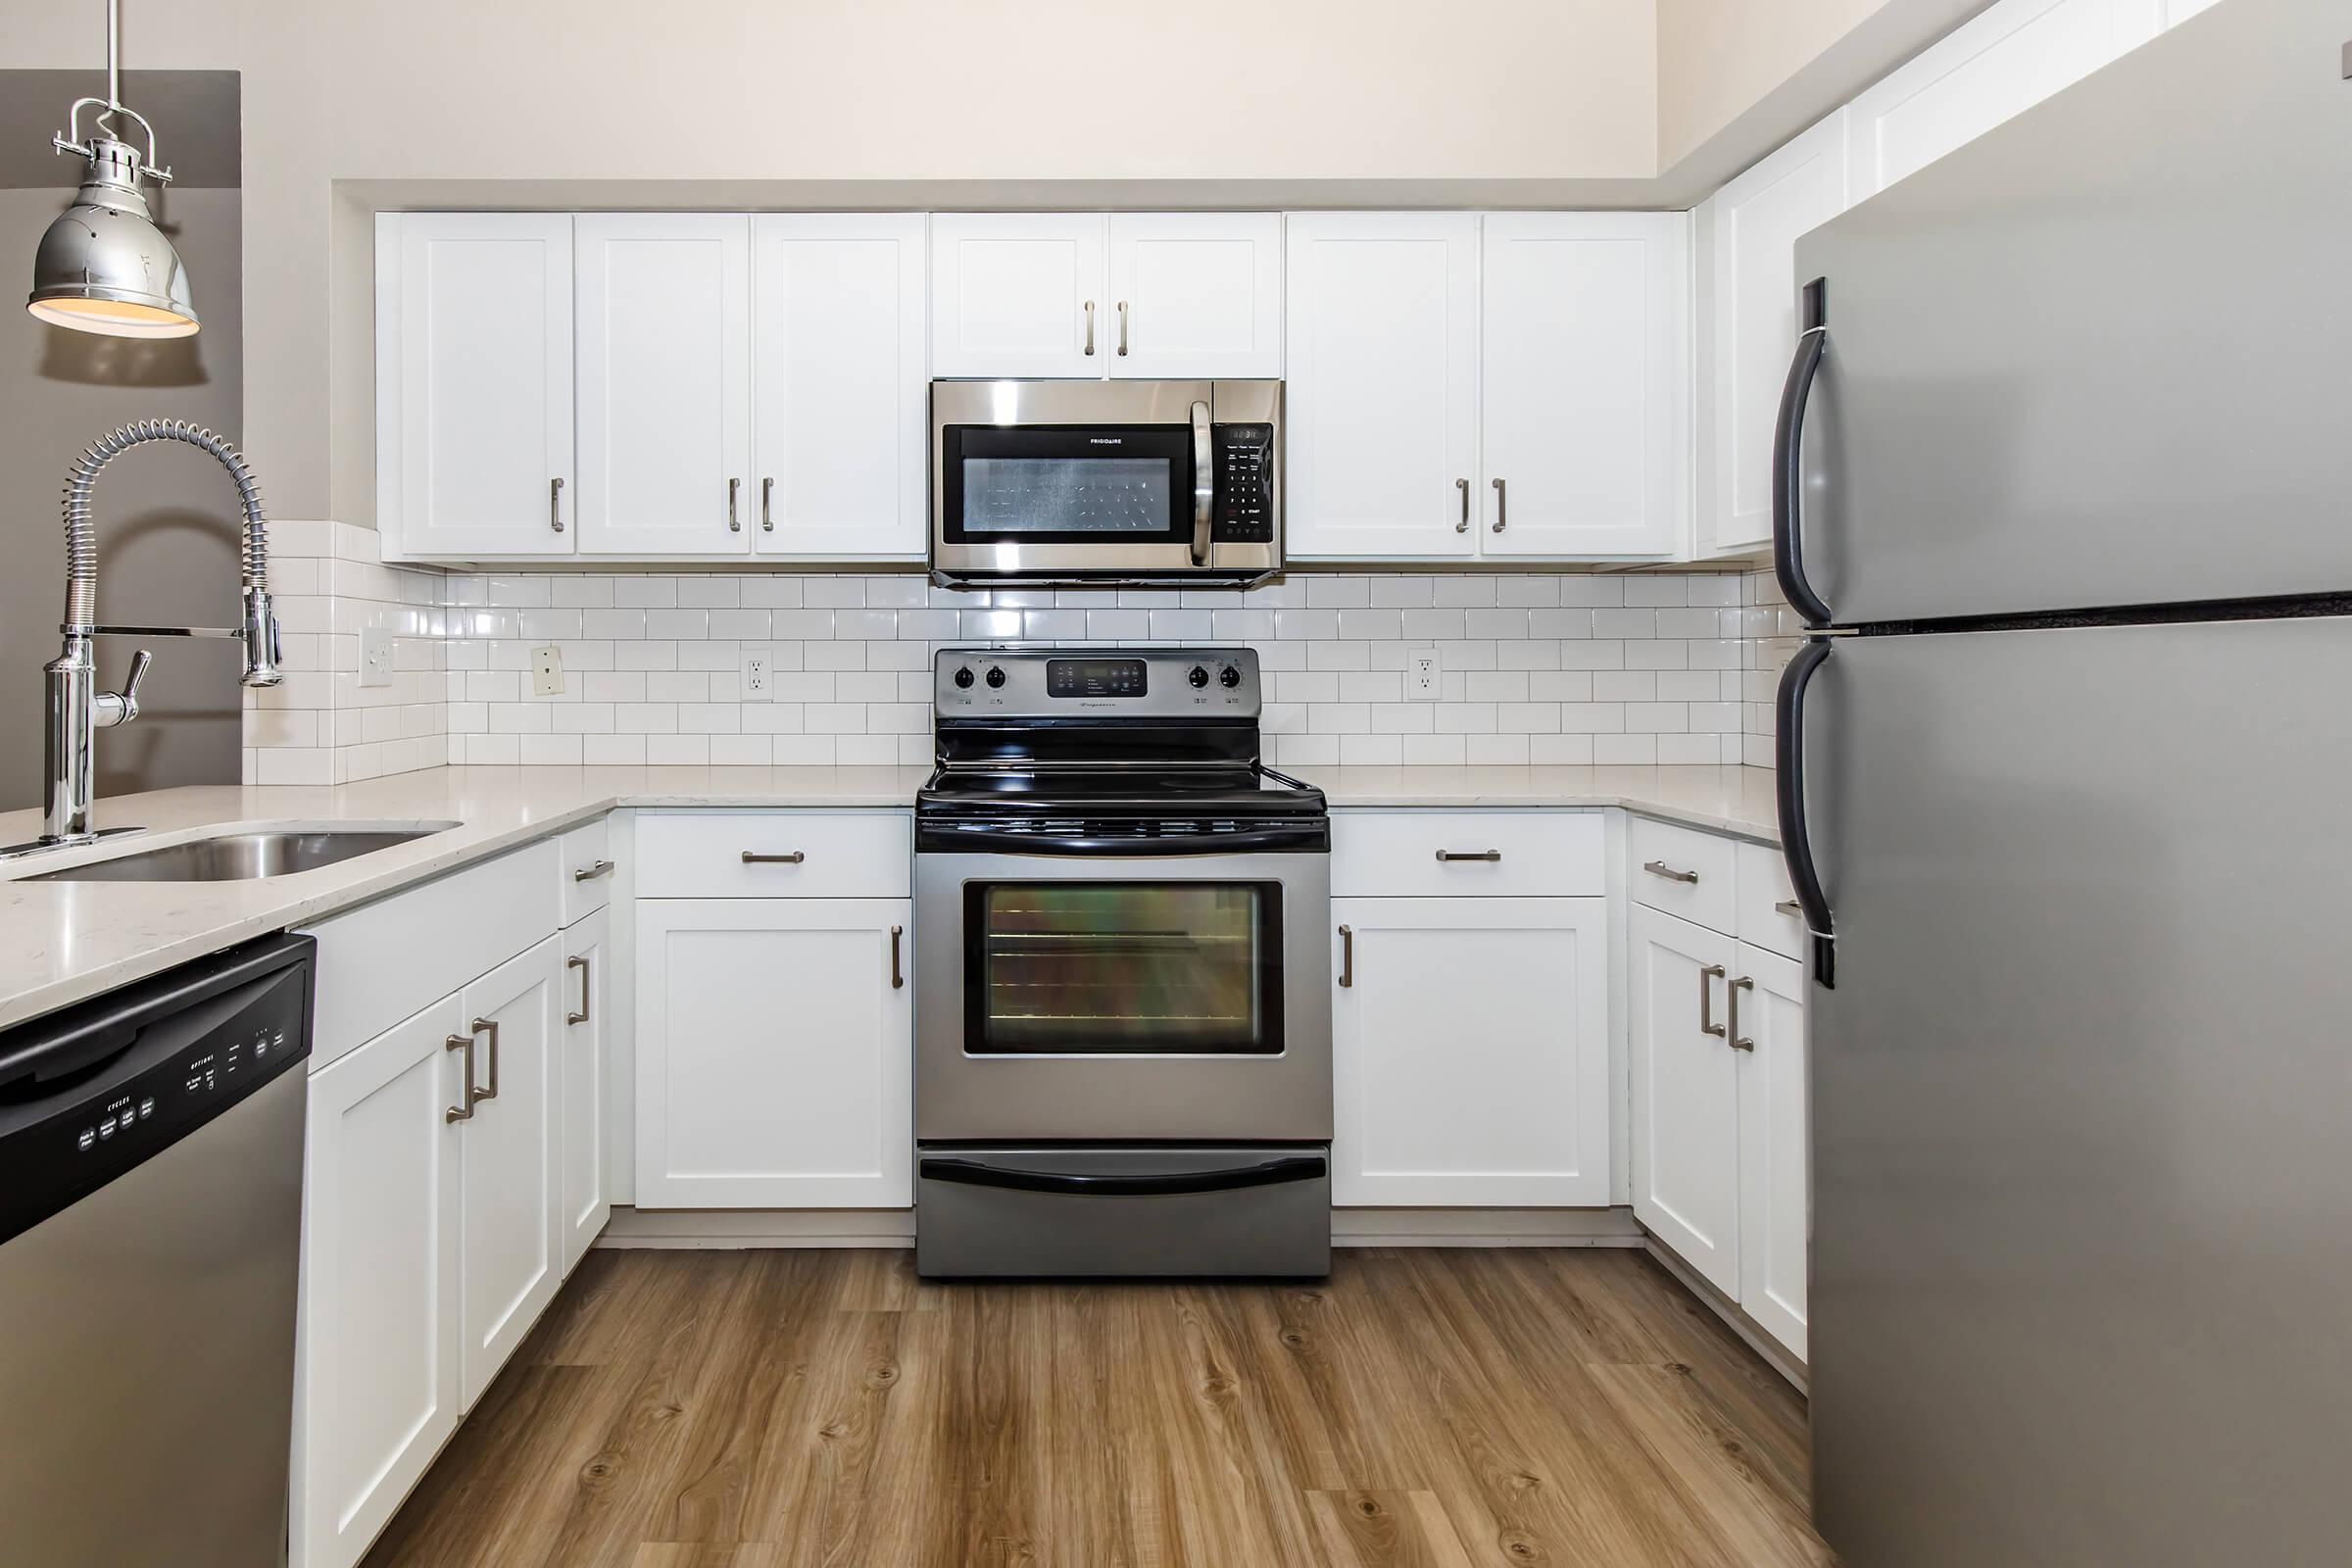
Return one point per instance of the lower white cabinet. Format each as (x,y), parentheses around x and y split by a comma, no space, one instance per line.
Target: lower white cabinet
(775,1043)
(1775,1195)
(587,1201)
(1470,1052)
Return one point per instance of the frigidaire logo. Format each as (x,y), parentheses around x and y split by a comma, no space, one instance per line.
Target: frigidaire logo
(1105,440)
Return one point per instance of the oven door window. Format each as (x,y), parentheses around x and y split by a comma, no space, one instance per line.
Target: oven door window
(1089,485)
(1122,968)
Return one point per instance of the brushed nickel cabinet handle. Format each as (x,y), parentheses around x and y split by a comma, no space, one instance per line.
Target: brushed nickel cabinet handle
(1122,329)
(1090,330)
(1469,854)
(734,523)
(1706,1001)
(589,873)
(1498,505)
(463,1112)
(1743,983)
(587,984)
(788,857)
(898,975)
(1464,485)
(1346,955)
(555,505)
(768,504)
(480,1025)
(1661,869)
(1790,908)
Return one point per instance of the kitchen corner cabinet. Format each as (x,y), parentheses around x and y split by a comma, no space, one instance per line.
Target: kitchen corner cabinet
(473,383)
(587,1201)
(1089,295)
(1686,1091)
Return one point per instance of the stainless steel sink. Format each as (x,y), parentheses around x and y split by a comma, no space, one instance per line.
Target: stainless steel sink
(242,857)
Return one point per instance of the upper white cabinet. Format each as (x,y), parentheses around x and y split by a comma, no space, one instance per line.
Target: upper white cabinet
(839,392)
(1997,65)
(1585,371)
(1381,407)
(1747,233)
(473,382)
(1196,296)
(664,382)
(1173,295)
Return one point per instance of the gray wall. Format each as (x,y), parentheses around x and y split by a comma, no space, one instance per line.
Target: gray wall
(166,553)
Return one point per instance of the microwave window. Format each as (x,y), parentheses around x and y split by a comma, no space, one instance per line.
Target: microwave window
(1096,496)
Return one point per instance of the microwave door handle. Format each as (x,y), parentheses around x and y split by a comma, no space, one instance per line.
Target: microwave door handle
(1204,483)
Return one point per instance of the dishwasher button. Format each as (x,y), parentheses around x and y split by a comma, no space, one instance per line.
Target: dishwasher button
(89,1135)
(146,1108)
(105,1128)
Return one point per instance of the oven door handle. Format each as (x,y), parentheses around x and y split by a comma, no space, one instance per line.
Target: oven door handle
(1204,483)
(1298,836)
(1270,1173)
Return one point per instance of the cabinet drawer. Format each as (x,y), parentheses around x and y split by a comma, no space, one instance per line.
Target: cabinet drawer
(386,960)
(1523,854)
(1683,873)
(584,870)
(1768,916)
(795,855)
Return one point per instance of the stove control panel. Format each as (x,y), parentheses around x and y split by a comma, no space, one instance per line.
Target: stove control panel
(1097,682)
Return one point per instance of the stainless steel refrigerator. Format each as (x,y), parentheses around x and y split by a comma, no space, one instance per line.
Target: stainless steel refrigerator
(2065,469)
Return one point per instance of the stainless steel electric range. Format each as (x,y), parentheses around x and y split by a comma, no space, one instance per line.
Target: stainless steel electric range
(1122,1013)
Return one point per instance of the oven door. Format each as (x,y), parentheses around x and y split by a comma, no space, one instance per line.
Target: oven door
(1136,998)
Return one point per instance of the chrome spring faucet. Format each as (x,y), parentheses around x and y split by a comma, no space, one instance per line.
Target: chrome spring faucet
(77,708)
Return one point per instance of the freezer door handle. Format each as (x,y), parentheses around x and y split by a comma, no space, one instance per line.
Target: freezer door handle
(1797,842)
(1788,468)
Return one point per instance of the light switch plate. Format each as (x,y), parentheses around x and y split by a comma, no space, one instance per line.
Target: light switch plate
(759,673)
(376,656)
(546,670)
(1421,672)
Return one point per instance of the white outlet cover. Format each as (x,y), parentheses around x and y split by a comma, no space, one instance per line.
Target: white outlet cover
(758,683)
(546,670)
(376,656)
(1421,674)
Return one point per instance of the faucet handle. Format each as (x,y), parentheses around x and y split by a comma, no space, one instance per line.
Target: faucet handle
(120,707)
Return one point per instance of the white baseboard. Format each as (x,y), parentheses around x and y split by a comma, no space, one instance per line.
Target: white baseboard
(1723,1307)
(723,1228)
(1484,1227)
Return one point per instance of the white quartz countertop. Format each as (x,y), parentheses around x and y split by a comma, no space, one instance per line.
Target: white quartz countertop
(61,942)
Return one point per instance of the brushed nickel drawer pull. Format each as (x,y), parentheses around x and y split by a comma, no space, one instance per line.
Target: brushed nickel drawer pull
(734,523)
(1463,527)
(587,984)
(1790,908)
(1500,512)
(767,505)
(1469,854)
(1122,329)
(1661,869)
(590,873)
(898,975)
(479,1025)
(1706,1001)
(463,1112)
(790,858)
(1743,983)
(1090,330)
(1346,955)
(555,505)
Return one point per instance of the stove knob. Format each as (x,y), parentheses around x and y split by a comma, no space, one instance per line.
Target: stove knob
(963,677)
(996,675)
(1229,678)
(1198,677)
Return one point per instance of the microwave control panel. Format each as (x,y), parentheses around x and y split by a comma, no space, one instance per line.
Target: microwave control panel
(1245,460)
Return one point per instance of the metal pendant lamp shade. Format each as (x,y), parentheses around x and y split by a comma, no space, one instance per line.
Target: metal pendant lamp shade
(104,266)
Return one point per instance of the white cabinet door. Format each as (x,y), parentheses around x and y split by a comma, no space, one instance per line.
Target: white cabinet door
(1997,65)
(473,384)
(839,396)
(1381,403)
(666,383)
(1470,1052)
(587,1202)
(377,1387)
(1584,370)
(774,1053)
(1685,1099)
(1196,296)
(1749,303)
(511,1256)
(1776,1200)
(1018,294)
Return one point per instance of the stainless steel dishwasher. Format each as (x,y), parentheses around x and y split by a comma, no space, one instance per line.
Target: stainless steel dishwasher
(149,1235)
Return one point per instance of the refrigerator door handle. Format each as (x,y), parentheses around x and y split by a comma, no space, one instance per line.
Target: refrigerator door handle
(1797,842)
(1787,475)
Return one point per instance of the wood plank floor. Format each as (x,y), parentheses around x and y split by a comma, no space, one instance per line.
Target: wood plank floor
(1437,1409)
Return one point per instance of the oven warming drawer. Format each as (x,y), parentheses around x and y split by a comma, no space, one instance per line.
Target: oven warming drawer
(1072,1212)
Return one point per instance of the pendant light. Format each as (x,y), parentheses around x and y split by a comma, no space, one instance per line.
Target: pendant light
(104,266)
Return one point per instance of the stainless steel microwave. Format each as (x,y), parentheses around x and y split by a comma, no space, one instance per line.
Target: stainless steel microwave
(1105,481)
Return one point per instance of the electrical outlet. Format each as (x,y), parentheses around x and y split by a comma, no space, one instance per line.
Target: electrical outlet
(546,670)
(759,675)
(376,656)
(1421,674)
